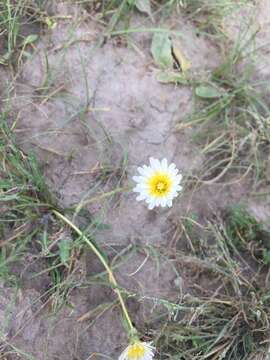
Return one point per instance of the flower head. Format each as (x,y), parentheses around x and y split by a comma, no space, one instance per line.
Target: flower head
(138,351)
(158,183)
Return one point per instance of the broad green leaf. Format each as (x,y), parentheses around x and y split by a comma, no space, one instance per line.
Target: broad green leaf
(144,6)
(167,77)
(161,49)
(208,92)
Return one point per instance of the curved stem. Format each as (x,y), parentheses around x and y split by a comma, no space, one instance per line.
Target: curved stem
(104,263)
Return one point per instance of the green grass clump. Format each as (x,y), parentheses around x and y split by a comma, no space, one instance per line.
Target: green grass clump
(208,15)
(245,232)
(20,25)
(232,117)
(24,199)
(27,227)
(225,312)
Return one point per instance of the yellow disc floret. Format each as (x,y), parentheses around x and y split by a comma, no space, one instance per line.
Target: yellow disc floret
(136,351)
(159,184)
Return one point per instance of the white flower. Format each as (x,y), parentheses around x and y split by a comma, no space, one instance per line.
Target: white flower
(158,183)
(138,351)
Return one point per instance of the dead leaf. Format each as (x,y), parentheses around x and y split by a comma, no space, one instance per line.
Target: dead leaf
(180,58)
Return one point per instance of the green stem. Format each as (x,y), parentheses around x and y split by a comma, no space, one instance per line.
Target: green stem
(106,266)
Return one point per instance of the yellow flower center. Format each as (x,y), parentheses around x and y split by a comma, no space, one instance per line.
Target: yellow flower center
(136,351)
(159,184)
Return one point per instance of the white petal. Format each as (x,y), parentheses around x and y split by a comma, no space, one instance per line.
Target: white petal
(152,203)
(150,172)
(149,352)
(149,199)
(172,170)
(172,194)
(143,170)
(142,196)
(163,202)
(151,206)
(164,164)
(155,164)
(158,201)
(178,178)
(178,187)
(123,356)
(172,166)
(169,203)
(138,179)
(140,187)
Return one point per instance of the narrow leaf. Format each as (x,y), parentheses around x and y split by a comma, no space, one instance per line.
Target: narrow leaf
(208,92)
(30,39)
(64,250)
